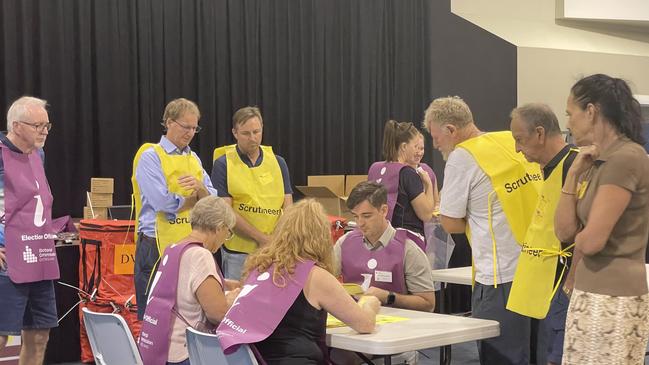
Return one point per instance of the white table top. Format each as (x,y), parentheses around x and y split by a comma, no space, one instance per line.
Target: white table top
(456,275)
(462,275)
(422,330)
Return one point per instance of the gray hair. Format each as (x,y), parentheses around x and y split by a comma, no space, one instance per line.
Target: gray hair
(19,110)
(537,115)
(211,213)
(448,110)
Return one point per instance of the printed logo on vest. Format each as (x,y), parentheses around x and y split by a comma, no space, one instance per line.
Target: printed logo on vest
(259,210)
(511,186)
(29,256)
(38,212)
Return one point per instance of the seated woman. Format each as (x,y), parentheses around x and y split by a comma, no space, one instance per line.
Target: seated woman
(289,288)
(411,185)
(188,289)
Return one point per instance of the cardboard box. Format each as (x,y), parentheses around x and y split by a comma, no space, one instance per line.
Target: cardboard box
(104,185)
(335,183)
(100,200)
(331,202)
(351,181)
(329,190)
(100,213)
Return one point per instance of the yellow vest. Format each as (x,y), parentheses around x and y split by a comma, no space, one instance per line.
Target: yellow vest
(533,289)
(173,166)
(516,182)
(257,193)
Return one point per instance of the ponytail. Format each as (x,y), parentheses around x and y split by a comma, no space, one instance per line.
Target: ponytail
(615,101)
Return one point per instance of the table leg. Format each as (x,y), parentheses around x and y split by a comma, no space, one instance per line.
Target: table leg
(442,309)
(364,358)
(387,359)
(445,359)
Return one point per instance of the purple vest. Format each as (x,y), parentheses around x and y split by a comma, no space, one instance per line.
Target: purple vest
(430,172)
(252,318)
(29,239)
(384,267)
(160,310)
(387,174)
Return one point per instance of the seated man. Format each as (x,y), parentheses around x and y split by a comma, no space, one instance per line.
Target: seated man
(386,262)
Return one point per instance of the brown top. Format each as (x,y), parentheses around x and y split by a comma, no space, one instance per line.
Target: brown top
(619,268)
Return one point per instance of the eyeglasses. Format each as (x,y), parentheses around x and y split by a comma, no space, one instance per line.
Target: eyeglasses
(196,129)
(41,127)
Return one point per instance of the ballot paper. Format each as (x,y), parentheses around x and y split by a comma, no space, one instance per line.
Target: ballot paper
(333,322)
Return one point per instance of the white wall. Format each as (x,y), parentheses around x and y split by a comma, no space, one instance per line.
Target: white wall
(533,23)
(553,54)
(621,10)
(546,75)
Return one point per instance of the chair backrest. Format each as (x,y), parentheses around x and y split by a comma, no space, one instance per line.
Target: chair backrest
(205,349)
(110,339)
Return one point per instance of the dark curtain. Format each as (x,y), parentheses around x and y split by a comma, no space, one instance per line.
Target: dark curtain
(327,74)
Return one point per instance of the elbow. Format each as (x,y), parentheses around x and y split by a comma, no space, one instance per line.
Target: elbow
(589,245)
(563,234)
(426,217)
(564,228)
(591,248)
(451,225)
(215,319)
(367,326)
(430,306)
(215,315)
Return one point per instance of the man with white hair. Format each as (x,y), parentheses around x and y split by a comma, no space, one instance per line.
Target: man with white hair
(490,193)
(28,263)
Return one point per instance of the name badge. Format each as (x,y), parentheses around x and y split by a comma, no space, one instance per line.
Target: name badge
(383,276)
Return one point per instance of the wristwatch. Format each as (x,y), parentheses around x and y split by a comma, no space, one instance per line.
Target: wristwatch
(391,298)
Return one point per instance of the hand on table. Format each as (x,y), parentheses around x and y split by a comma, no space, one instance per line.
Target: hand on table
(370,302)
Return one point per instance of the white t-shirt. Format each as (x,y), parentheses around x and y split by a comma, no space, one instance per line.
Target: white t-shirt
(196,265)
(464,194)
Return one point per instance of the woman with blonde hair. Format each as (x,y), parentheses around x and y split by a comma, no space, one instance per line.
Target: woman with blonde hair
(288,290)
(188,288)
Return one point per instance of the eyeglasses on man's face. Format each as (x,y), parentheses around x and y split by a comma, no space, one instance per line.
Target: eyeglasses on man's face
(40,127)
(187,128)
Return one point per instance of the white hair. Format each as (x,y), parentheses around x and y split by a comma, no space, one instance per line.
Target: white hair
(20,109)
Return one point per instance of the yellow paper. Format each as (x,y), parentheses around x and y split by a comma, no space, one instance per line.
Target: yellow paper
(124,261)
(353,289)
(333,322)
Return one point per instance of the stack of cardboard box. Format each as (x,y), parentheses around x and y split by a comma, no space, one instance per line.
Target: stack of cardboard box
(99,198)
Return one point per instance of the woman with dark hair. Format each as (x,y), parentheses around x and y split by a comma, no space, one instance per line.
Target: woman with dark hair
(411,184)
(604,209)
